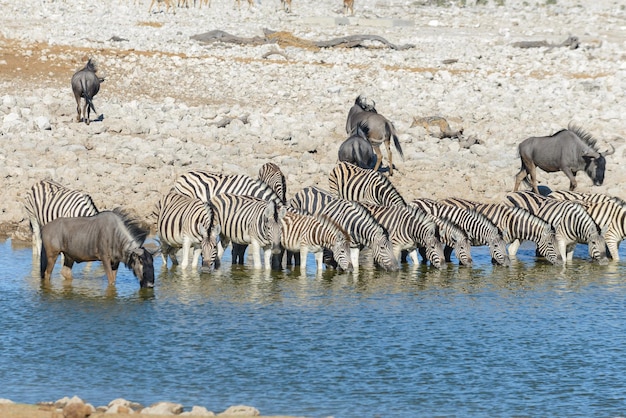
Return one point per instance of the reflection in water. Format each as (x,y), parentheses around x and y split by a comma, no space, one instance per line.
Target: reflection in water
(529,339)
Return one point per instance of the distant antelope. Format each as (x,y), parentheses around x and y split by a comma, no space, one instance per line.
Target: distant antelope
(168,4)
(348,5)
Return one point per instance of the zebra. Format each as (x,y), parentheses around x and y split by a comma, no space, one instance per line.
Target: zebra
(516,225)
(479,229)
(363,228)
(608,212)
(186,222)
(571,222)
(351,182)
(204,184)
(48,200)
(303,233)
(249,220)
(270,174)
(409,229)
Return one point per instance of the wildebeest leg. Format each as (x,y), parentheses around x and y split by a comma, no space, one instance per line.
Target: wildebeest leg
(66,271)
(49,260)
(86,112)
(389,157)
(77,97)
(379,156)
(110,269)
(447,252)
(571,176)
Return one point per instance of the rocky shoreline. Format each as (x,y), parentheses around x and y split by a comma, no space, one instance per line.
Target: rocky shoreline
(77,408)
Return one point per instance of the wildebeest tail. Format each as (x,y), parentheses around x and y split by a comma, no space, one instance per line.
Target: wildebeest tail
(391,131)
(87,96)
(43,261)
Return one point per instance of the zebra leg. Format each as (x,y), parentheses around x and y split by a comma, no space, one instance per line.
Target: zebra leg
(513,247)
(304,253)
(36,237)
(354,257)
(186,249)
(238,251)
(319,261)
(267,258)
(612,245)
(197,251)
(413,256)
(255,249)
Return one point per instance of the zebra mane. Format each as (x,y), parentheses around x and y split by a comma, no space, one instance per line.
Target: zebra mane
(585,136)
(133,226)
(332,224)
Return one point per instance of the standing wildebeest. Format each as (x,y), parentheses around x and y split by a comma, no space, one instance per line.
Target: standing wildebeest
(569,150)
(379,129)
(110,236)
(357,149)
(85,84)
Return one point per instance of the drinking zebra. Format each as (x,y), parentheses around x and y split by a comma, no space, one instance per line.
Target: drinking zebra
(249,220)
(479,229)
(363,228)
(453,238)
(352,182)
(303,233)
(186,222)
(608,212)
(203,184)
(571,222)
(48,200)
(516,225)
(409,229)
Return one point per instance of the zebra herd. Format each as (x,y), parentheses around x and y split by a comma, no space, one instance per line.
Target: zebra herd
(207,211)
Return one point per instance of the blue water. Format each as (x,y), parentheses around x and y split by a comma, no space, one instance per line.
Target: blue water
(528,340)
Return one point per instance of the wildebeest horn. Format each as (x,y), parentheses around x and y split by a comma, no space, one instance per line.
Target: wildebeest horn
(605,153)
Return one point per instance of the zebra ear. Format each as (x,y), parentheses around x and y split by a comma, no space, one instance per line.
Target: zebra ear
(202,230)
(216,230)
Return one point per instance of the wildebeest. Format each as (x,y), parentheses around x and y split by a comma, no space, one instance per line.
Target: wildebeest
(569,150)
(357,149)
(379,129)
(85,85)
(110,236)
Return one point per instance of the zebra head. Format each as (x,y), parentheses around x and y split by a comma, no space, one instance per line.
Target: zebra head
(382,251)
(497,247)
(462,249)
(208,246)
(548,246)
(272,220)
(341,252)
(597,248)
(434,251)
